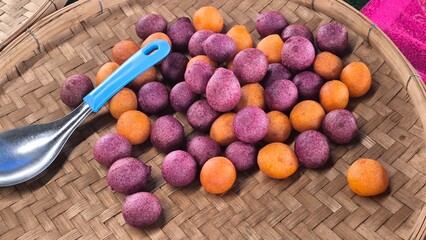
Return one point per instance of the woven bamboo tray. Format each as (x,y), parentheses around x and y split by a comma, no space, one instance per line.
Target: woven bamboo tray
(16,16)
(72,200)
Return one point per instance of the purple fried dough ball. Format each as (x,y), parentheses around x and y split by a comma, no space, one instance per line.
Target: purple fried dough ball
(197,75)
(110,148)
(281,95)
(173,67)
(149,24)
(201,116)
(242,155)
(202,148)
(128,175)
(180,32)
(195,45)
(308,85)
(250,65)
(74,89)
(250,124)
(141,209)
(153,97)
(297,30)
(311,148)
(332,37)
(223,91)
(181,97)
(276,71)
(271,22)
(167,134)
(340,126)
(298,53)
(220,47)
(179,169)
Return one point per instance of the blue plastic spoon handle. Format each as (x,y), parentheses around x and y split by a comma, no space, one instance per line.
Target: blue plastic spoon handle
(138,63)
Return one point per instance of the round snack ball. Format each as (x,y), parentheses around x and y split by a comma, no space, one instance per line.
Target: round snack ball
(128,175)
(123,50)
(279,127)
(340,126)
(180,32)
(357,78)
(241,36)
(271,47)
(218,175)
(250,65)
(195,45)
(208,18)
(251,124)
(276,71)
(201,116)
(153,97)
(197,75)
(179,169)
(277,160)
(297,30)
(141,209)
(181,97)
(242,155)
(167,134)
(332,37)
(334,95)
(201,58)
(149,75)
(328,65)
(173,67)
(220,48)
(253,95)
(156,36)
(308,85)
(149,24)
(222,129)
(105,71)
(223,91)
(311,148)
(134,126)
(123,101)
(367,177)
(298,53)
(307,115)
(270,22)
(74,88)
(111,147)
(202,148)
(281,95)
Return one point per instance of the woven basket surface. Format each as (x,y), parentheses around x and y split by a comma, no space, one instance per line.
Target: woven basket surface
(72,199)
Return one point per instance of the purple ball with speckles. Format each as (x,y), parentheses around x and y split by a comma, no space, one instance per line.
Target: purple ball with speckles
(202,148)
(197,75)
(149,24)
(270,22)
(167,134)
(298,53)
(276,71)
(128,175)
(180,32)
(201,115)
(195,45)
(111,147)
(153,97)
(312,149)
(242,155)
(340,126)
(332,37)
(250,124)
(173,67)
(141,209)
(223,91)
(308,85)
(281,95)
(179,169)
(220,48)
(297,30)
(74,89)
(250,65)
(181,97)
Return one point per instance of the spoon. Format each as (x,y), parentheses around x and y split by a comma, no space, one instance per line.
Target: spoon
(26,151)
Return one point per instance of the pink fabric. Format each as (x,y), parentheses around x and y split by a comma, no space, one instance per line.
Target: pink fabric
(404,21)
